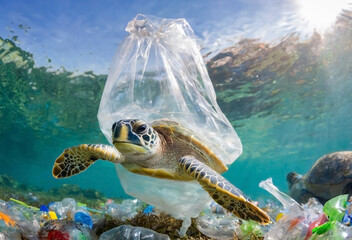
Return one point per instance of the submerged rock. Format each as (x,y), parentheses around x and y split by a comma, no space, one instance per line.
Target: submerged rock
(6,180)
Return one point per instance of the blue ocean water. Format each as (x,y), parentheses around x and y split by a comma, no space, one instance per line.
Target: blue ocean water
(290,101)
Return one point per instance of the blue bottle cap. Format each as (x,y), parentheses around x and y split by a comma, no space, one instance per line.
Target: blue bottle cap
(43,208)
(84,219)
(148,209)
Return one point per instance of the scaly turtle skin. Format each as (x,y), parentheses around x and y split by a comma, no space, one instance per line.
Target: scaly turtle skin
(163,149)
(330,176)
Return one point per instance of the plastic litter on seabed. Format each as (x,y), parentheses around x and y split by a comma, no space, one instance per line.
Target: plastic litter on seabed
(126,232)
(311,220)
(59,220)
(68,219)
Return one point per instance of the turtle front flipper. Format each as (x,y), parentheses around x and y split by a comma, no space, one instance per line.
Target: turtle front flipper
(77,159)
(222,191)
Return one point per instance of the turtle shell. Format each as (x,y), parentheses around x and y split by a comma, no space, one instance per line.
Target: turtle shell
(334,168)
(175,130)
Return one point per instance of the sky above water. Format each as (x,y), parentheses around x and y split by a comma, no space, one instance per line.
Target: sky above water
(83,35)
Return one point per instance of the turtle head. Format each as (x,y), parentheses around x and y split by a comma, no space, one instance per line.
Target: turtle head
(293,178)
(135,137)
(296,186)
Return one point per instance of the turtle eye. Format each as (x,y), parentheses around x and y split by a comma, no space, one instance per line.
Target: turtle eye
(141,129)
(113,126)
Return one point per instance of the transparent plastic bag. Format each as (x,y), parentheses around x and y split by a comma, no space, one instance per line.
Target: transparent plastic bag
(158,72)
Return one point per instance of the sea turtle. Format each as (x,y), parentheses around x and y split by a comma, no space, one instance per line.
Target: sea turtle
(330,176)
(162,149)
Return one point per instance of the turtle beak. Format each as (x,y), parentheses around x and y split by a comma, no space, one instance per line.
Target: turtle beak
(124,139)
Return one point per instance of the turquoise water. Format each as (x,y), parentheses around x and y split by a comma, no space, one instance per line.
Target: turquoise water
(290,102)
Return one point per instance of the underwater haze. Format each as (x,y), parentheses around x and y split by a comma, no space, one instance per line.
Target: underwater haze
(282,74)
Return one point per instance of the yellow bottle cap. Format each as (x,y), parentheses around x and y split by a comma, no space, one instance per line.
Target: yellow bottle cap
(52,215)
(280,215)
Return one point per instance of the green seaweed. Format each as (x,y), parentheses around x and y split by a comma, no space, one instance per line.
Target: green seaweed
(34,196)
(160,223)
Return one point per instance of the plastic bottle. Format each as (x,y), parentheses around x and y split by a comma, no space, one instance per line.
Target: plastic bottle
(332,230)
(65,230)
(126,210)
(218,226)
(335,208)
(128,232)
(8,232)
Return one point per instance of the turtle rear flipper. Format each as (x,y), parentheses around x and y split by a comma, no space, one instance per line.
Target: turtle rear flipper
(223,192)
(77,159)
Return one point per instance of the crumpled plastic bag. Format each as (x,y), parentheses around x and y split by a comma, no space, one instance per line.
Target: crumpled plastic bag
(158,72)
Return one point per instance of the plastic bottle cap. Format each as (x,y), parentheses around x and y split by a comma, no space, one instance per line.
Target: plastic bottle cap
(84,219)
(148,209)
(43,208)
(52,215)
(279,216)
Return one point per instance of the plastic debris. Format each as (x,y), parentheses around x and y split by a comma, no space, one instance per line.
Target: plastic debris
(41,217)
(19,218)
(333,230)
(94,210)
(127,232)
(216,208)
(338,210)
(126,210)
(319,230)
(7,219)
(52,215)
(67,208)
(43,208)
(335,208)
(174,201)
(279,216)
(84,206)
(84,219)
(217,225)
(274,209)
(24,204)
(290,204)
(65,230)
(321,220)
(148,210)
(9,233)
(79,204)
(347,218)
(298,220)
(250,230)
